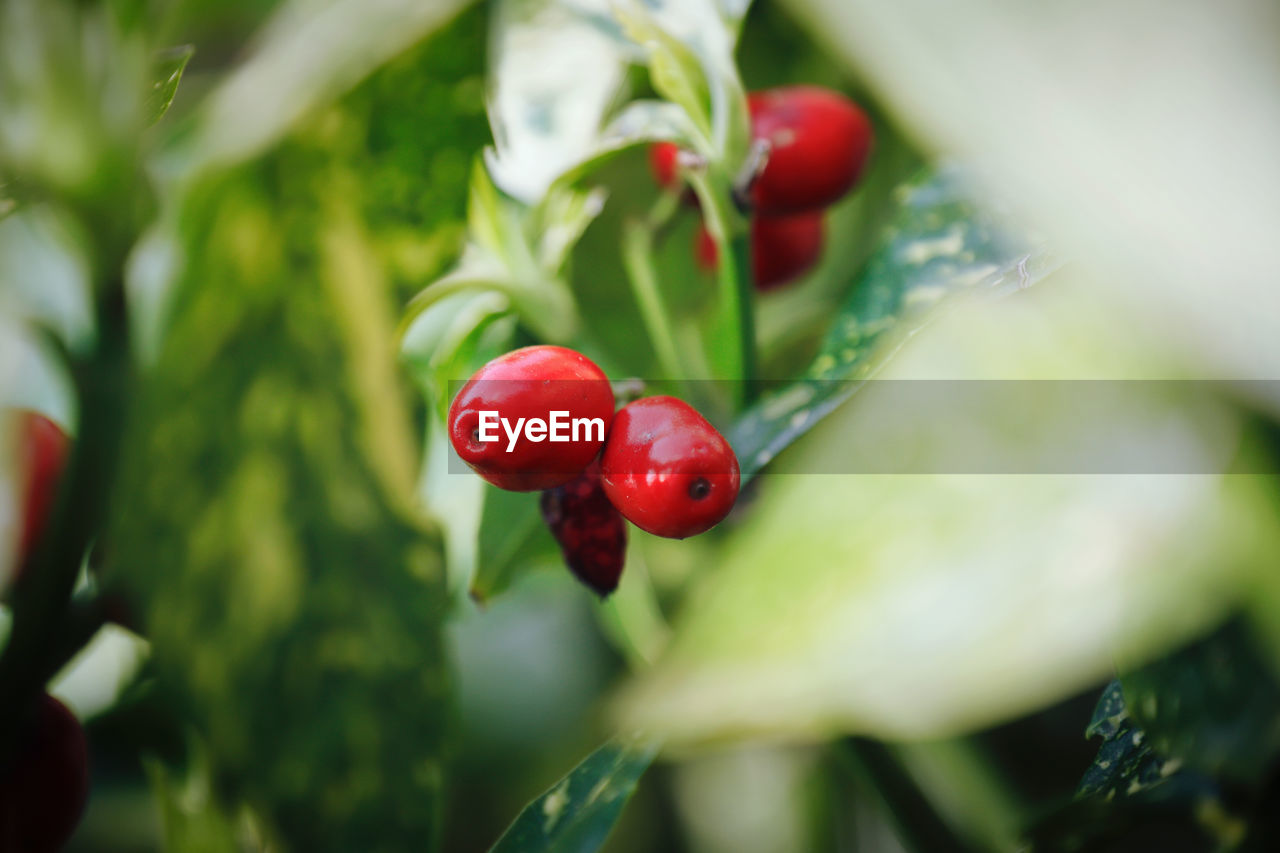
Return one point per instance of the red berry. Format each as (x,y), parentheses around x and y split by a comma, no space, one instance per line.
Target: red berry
(819,142)
(662,161)
(42,457)
(591,533)
(43,789)
(493,422)
(783,248)
(667,470)
(705,251)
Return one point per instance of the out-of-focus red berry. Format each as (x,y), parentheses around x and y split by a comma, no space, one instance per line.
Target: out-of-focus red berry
(819,142)
(662,161)
(783,248)
(44,787)
(42,456)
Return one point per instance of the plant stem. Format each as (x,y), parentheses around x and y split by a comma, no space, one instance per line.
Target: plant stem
(742,282)
(637,258)
(45,634)
(734,325)
(919,825)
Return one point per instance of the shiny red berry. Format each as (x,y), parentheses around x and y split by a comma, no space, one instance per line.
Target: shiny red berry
(44,787)
(819,143)
(668,470)
(533,418)
(591,532)
(783,248)
(42,457)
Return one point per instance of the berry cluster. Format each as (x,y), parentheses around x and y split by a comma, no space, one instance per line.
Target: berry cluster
(655,462)
(816,143)
(44,782)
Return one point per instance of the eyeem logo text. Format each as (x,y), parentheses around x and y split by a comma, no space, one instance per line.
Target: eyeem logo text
(558,427)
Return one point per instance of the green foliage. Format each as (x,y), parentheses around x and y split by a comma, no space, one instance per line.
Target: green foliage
(1211,706)
(576,815)
(166,74)
(268,529)
(512,539)
(1126,762)
(938,244)
(1182,739)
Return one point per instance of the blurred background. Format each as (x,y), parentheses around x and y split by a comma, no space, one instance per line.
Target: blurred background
(331,642)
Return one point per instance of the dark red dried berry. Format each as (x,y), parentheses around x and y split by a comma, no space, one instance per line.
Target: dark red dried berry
(45,783)
(592,534)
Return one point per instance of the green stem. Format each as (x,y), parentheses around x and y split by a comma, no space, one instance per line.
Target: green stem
(876,769)
(637,258)
(734,326)
(45,634)
(743,285)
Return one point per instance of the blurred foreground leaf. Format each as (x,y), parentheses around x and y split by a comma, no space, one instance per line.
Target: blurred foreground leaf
(929,604)
(293,602)
(577,814)
(939,244)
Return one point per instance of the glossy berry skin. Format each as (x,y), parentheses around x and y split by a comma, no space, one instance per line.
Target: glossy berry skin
(783,248)
(668,470)
(591,532)
(531,383)
(44,788)
(42,453)
(819,143)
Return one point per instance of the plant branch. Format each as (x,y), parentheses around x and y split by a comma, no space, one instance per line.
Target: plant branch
(637,258)
(735,322)
(45,633)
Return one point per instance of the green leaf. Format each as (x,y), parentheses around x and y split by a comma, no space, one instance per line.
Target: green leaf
(637,123)
(1134,797)
(933,604)
(1126,762)
(675,70)
(1211,706)
(191,818)
(167,74)
(555,71)
(688,47)
(486,219)
(938,245)
(577,814)
(272,537)
(513,539)
(551,124)
(558,222)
